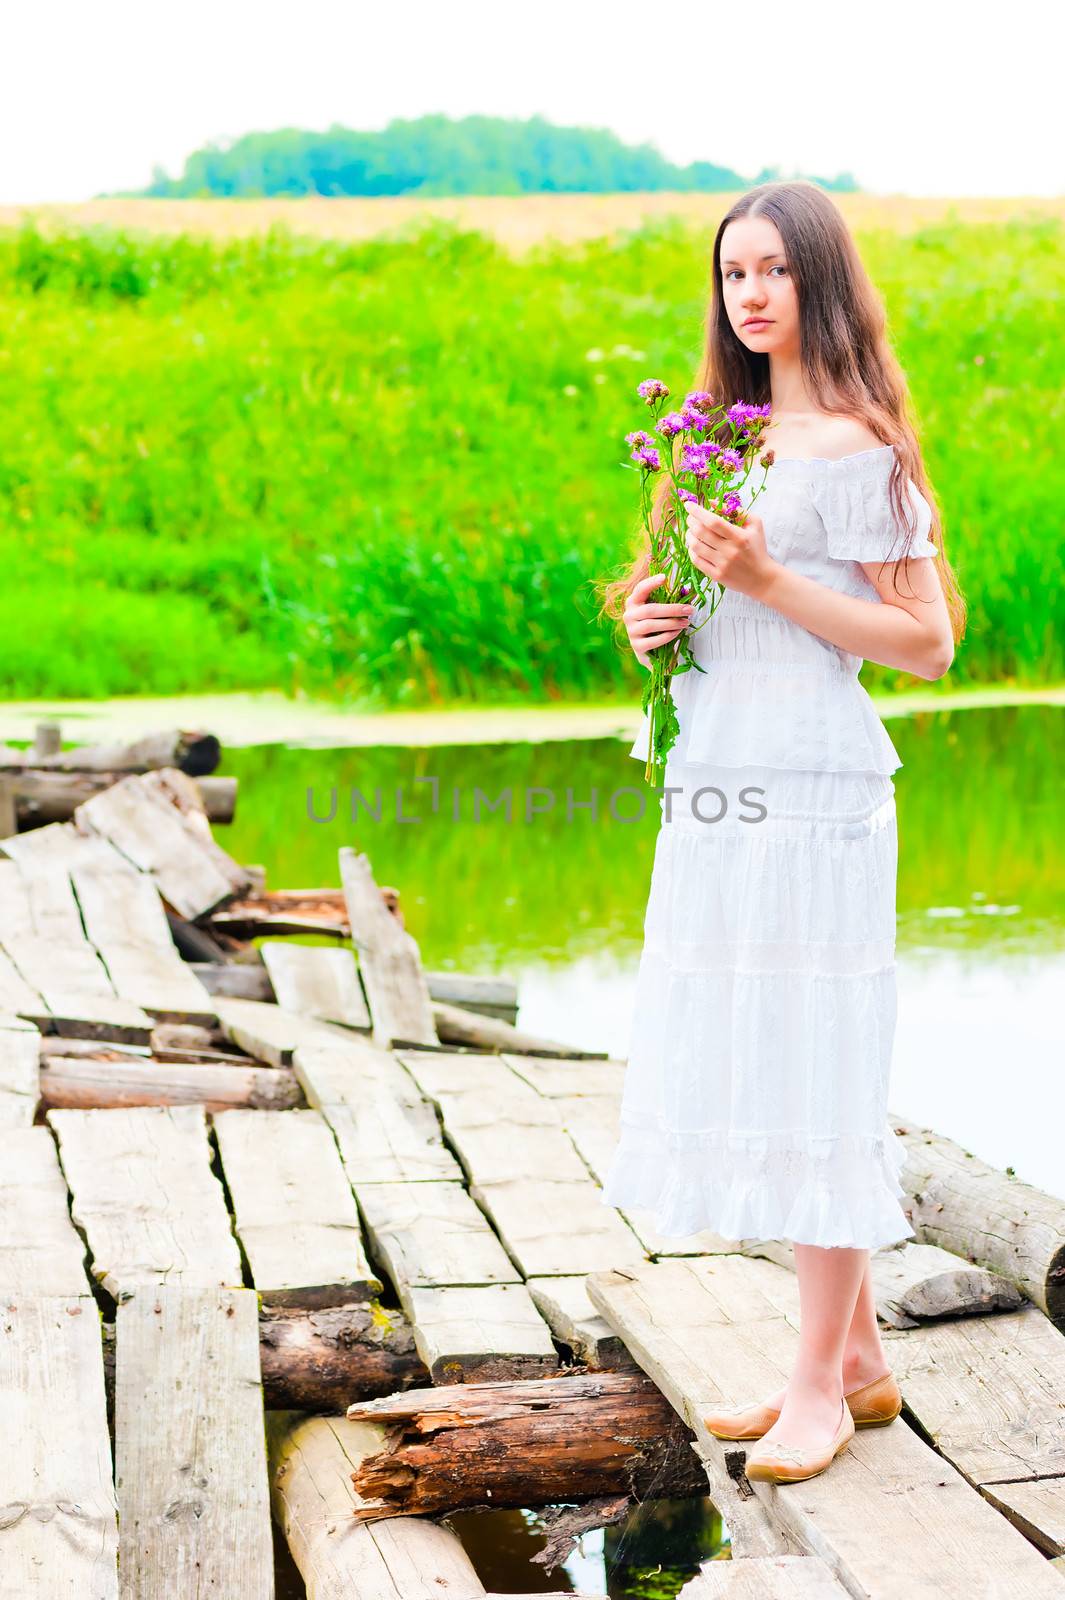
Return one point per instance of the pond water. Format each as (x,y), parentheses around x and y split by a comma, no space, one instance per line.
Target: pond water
(554,894)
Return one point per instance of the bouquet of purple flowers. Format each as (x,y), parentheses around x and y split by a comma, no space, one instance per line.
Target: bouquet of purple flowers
(711,474)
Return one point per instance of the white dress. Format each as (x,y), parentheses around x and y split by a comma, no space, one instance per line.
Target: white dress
(756,1093)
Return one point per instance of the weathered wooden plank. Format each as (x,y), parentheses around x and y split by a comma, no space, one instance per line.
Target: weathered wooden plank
(389,959)
(990,1392)
(17,997)
(555,1230)
(571,1076)
(765,1578)
(403,1558)
(125,921)
(386,1131)
(432,1234)
(20,1048)
(457,1026)
(314,981)
(77,994)
(270,1033)
(476,1091)
(190,1455)
(144,1194)
(88,1084)
(294,1211)
(191,873)
(58,1532)
(480,1333)
(503,1151)
(569,1313)
(890,1516)
(41,1253)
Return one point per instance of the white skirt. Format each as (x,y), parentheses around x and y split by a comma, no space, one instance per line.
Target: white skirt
(755,1099)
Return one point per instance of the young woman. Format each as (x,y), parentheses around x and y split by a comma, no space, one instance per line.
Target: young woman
(756,1092)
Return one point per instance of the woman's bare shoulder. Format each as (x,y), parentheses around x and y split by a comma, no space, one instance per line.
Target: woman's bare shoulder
(845,436)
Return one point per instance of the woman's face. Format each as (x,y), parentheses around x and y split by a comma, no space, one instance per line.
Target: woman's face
(756,282)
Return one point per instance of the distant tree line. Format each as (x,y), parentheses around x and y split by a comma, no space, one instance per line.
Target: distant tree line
(438,155)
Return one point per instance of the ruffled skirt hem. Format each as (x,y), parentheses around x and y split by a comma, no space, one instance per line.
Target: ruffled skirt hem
(843,1190)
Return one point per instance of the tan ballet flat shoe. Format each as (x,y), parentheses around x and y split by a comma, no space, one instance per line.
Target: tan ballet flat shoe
(875,1403)
(872,1405)
(788,1464)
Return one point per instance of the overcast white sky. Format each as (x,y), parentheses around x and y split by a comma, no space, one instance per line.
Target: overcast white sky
(931,98)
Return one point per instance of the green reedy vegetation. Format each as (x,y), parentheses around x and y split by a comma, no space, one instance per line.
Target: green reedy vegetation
(390,470)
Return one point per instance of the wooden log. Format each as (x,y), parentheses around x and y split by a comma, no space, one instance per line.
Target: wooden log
(58,1532)
(389,960)
(311,1462)
(293,1209)
(143,1193)
(320,1360)
(193,752)
(533,1443)
(38,796)
(41,1253)
(190,1453)
(986,1216)
(312,981)
(455,1025)
(106,1083)
(891,1516)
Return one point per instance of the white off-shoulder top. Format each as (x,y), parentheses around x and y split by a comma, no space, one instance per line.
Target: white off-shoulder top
(772,693)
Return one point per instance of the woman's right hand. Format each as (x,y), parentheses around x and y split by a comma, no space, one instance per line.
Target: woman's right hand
(650,623)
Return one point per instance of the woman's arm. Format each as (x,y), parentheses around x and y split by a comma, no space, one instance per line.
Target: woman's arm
(908,629)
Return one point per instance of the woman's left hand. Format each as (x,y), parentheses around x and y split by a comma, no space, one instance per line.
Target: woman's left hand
(734,556)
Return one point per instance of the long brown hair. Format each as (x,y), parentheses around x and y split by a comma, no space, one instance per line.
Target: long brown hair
(848,364)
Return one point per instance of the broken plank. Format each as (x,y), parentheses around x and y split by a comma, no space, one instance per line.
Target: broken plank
(294,1211)
(315,981)
(565,1307)
(570,1076)
(190,1457)
(476,1091)
(143,1192)
(389,960)
(77,994)
(482,1333)
(41,1252)
(404,1558)
(270,1033)
(889,1516)
(432,1234)
(192,873)
(58,1530)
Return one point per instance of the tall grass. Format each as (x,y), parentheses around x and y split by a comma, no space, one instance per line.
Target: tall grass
(389,470)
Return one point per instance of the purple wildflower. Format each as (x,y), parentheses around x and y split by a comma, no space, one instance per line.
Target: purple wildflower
(649,458)
(686,494)
(731,459)
(694,419)
(672,423)
(652,389)
(638,439)
(748,418)
(731,505)
(700,400)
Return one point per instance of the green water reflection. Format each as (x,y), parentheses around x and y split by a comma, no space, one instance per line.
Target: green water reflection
(648,1556)
(981,863)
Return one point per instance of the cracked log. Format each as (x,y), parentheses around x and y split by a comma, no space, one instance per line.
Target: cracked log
(526,1443)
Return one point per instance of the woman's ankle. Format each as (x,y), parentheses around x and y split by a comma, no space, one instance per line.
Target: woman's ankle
(862,1363)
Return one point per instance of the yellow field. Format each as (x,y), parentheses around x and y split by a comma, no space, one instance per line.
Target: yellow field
(517,222)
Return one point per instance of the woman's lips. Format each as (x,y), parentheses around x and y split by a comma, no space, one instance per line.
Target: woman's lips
(758,322)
